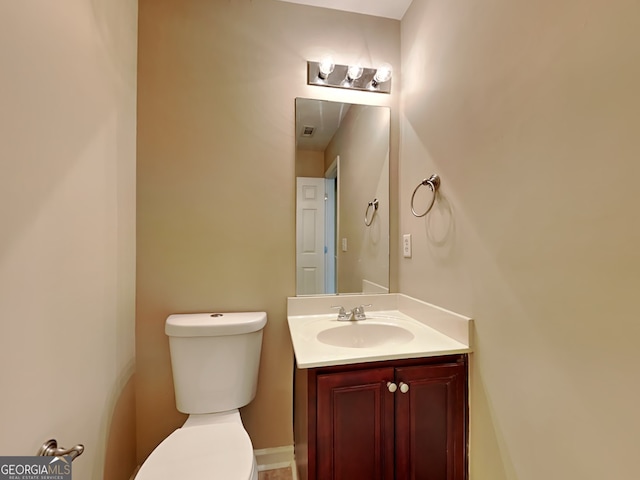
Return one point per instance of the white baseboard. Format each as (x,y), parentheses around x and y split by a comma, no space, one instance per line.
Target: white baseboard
(271,458)
(276,457)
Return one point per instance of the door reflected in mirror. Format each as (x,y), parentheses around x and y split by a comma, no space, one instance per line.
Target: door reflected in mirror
(342,198)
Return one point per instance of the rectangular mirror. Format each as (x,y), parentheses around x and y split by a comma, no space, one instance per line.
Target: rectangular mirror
(342,198)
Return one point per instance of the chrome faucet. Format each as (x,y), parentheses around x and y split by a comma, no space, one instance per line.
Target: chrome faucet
(343,316)
(358,312)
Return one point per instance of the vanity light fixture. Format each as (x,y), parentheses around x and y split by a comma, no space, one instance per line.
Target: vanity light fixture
(354,72)
(325,67)
(383,74)
(327,74)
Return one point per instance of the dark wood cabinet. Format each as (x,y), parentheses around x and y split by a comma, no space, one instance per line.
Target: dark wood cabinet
(355,425)
(403,420)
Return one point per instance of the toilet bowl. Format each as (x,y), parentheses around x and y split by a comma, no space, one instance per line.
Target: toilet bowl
(215,359)
(215,447)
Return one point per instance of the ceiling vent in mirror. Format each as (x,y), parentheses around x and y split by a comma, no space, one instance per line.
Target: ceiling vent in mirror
(308,130)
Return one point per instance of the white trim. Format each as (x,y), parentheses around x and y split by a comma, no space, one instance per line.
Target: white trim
(332,171)
(275,457)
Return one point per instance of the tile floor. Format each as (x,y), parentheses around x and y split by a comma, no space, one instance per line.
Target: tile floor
(277,474)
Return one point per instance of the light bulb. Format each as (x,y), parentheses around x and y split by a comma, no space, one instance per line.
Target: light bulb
(383,74)
(354,72)
(325,66)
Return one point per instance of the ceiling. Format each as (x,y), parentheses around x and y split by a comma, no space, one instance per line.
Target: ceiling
(323,116)
(380,8)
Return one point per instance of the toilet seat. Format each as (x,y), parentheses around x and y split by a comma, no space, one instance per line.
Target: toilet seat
(220,451)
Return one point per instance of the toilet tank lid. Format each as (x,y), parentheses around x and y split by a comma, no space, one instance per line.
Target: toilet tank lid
(214,324)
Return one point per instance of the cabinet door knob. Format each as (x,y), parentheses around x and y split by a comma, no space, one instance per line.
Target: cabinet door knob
(392,387)
(404,388)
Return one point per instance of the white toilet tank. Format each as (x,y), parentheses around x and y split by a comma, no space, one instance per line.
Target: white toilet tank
(215,359)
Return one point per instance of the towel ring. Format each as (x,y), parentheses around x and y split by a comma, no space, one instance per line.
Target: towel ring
(434,183)
(373,204)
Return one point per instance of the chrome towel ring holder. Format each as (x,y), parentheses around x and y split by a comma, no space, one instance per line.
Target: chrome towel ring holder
(368,221)
(433,182)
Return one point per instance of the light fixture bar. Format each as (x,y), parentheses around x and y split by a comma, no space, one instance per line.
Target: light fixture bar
(338,78)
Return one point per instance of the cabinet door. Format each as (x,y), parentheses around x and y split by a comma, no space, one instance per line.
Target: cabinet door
(355,430)
(431,422)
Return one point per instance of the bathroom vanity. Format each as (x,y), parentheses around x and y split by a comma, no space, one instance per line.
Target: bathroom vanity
(372,403)
(383,420)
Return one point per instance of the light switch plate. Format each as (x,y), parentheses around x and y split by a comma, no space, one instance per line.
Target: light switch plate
(406,245)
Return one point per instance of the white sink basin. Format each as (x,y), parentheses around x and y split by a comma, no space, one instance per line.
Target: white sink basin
(365,334)
(396,327)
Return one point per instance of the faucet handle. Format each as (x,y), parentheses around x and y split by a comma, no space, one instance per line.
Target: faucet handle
(358,312)
(342,314)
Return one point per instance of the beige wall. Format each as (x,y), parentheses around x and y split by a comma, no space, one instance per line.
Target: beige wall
(67,248)
(527,111)
(309,163)
(530,113)
(216,178)
(362,143)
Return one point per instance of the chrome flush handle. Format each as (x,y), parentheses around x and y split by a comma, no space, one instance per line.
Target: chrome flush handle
(50,449)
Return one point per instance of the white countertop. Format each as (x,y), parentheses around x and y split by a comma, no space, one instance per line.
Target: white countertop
(435,331)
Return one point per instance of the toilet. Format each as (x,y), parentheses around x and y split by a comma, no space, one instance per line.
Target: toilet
(215,359)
